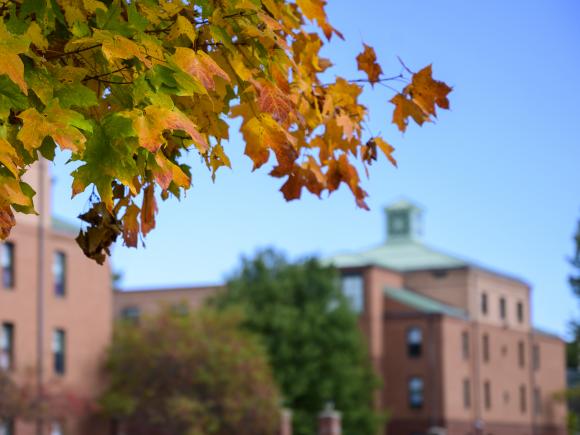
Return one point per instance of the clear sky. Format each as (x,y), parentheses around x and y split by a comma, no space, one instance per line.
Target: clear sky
(498,175)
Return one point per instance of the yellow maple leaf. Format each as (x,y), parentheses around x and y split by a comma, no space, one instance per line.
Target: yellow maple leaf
(367,62)
(200,66)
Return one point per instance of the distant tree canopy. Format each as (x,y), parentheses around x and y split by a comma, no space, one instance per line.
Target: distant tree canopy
(190,374)
(315,346)
(573,347)
(131,87)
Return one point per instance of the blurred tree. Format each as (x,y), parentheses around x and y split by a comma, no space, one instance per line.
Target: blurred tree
(131,88)
(316,348)
(184,374)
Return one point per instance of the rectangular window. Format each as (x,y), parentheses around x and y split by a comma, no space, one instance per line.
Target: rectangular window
(536,357)
(415,393)
(7,257)
(537,401)
(59,351)
(487,395)
(466,394)
(56,428)
(59,273)
(131,314)
(484,303)
(523,401)
(520,312)
(521,354)
(7,346)
(414,342)
(485,347)
(465,344)
(353,289)
(502,308)
(7,427)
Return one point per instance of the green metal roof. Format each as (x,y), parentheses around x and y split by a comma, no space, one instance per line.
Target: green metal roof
(423,303)
(402,256)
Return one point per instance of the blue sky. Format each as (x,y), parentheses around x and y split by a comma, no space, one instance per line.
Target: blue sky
(498,175)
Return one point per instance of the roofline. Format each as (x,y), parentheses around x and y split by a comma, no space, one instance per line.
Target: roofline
(168,289)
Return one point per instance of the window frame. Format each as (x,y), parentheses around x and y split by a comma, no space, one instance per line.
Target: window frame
(467,393)
(523,399)
(414,350)
(502,308)
(520,312)
(485,348)
(9,349)
(412,392)
(59,280)
(521,354)
(358,305)
(9,270)
(465,345)
(59,351)
(487,402)
(484,304)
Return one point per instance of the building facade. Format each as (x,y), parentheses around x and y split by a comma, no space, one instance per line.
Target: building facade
(55,318)
(451,340)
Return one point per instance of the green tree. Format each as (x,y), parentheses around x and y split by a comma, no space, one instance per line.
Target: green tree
(190,374)
(138,91)
(315,346)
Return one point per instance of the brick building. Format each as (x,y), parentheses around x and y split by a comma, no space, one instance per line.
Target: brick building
(55,316)
(451,340)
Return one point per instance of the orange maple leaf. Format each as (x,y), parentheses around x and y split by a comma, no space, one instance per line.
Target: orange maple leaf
(367,62)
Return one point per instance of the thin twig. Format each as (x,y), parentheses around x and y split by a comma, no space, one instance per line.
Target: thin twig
(68,53)
(95,77)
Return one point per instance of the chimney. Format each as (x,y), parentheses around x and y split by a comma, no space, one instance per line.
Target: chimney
(329,421)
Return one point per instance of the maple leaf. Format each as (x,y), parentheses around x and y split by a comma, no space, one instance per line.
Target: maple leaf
(10,63)
(167,171)
(200,66)
(314,10)
(367,62)
(385,148)
(405,108)
(272,100)
(9,157)
(148,209)
(131,226)
(427,93)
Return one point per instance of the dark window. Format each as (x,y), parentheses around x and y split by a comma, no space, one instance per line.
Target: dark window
(353,289)
(485,347)
(7,346)
(487,395)
(523,399)
(536,357)
(439,273)
(484,303)
(520,312)
(7,427)
(465,344)
(180,309)
(414,342)
(416,393)
(8,265)
(131,314)
(466,393)
(59,272)
(537,401)
(502,308)
(521,354)
(59,351)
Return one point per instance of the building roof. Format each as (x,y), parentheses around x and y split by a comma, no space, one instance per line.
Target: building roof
(64,226)
(423,303)
(402,256)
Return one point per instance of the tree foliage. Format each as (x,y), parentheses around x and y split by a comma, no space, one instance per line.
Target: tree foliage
(190,374)
(315,346)
(131,87)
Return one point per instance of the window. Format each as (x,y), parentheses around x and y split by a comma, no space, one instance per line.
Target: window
(520,312)
(484,303)
(7,265)
(485,347)
(59,351)
(502,308)
(521,354)
(465,344)
(414,342)
(7,427)
(523,402)
(487,395)
(59,272)
(536,357)
(352,287)
(537,401)
(466,393)
(416,393)
(7,346)
(56,428)
(131,314)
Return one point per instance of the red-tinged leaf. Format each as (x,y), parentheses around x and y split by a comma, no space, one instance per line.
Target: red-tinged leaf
(131,226)
(200,66)
(367,62)
(148,210)
(167,171)
(7,221)
(275,102)
(405,108)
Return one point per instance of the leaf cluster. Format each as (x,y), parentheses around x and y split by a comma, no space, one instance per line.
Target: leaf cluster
(132,88)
